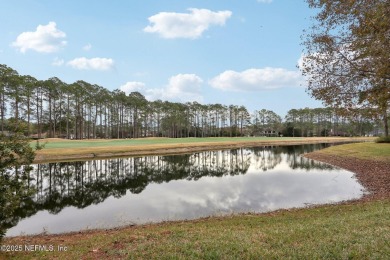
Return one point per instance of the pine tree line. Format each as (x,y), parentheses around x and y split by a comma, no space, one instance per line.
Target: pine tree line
(53,108)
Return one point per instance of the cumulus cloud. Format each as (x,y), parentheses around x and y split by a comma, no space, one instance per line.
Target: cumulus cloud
(46,38)
(256,79)
(181,87)
(91,64)
(57,62)
(185,25)
(87,47)
(133,86)
(185,87)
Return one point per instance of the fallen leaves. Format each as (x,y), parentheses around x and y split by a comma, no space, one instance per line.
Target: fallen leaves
(373,175)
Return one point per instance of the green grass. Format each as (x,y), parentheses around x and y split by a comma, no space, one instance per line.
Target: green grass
(369,151)
(356,231)
(153,141)
(62,149)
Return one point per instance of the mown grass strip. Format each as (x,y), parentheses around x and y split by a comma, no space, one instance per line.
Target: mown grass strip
(59,149)
(57,144)
(369,151)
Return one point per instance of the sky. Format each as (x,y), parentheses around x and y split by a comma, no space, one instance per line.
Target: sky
(229,52)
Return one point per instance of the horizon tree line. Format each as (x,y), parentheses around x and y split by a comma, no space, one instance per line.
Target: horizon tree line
(80,110)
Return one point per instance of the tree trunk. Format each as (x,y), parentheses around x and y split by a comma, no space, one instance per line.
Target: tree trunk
(386,123)
(67,118)
(28,117)
(2,108)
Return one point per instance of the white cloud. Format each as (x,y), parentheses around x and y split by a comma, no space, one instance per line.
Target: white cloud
(185,87)
(133,86)
(265,1)
(256,79)
(57,62)
(182,87)
(46,38)
(87,47)
(154,94)
(185,25)
(91,64)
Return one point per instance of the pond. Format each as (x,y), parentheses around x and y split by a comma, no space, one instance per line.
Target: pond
(73,196)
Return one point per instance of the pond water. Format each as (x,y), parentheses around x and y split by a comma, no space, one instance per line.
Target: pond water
(73,196)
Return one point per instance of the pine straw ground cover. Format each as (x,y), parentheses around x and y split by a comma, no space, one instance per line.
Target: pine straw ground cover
(369,161)
(349,230)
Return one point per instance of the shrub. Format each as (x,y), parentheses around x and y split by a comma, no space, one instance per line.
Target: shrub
(383,139)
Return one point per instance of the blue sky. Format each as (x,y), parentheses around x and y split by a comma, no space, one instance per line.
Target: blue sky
(229,52)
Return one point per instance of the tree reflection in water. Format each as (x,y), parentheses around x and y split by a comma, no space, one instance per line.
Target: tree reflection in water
(16,189)
(16,197)
(80,184)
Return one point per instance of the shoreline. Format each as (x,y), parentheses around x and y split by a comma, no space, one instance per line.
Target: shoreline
(61,155)
(366,172)
(373,174)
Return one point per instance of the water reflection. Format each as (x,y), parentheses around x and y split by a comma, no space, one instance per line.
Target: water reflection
(94,194)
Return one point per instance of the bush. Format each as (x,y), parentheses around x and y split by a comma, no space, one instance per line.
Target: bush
(383,139)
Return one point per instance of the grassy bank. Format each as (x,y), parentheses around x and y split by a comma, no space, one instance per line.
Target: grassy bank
(364,151)
(60,149)
(356,230)
(360,231)
(369,161)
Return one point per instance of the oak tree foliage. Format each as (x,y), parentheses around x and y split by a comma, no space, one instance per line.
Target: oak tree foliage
(347,58)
